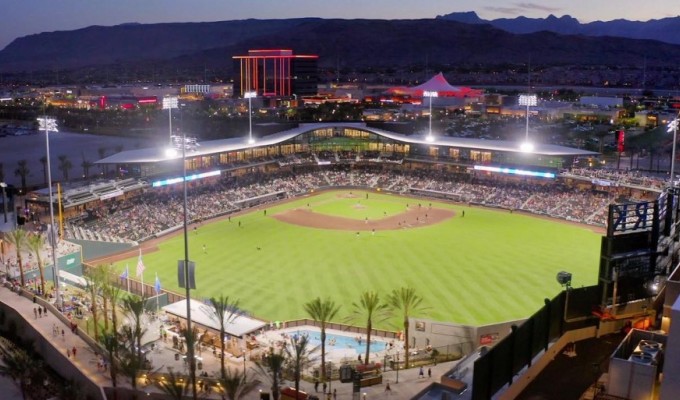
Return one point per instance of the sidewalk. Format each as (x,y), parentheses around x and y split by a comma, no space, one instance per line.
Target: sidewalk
(163,356)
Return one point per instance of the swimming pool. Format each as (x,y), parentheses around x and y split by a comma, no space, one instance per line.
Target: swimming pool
(343,343)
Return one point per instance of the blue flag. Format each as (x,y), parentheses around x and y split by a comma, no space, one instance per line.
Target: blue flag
(157,285)
(125,273)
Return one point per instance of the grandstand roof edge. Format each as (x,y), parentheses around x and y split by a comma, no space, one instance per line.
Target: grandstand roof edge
(157,154)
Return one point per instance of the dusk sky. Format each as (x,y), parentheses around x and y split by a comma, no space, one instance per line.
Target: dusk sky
(25,17)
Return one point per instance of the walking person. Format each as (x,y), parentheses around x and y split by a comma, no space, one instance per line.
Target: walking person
(421,373)
(74,351)
(429,372)
(39,312)
(35,312)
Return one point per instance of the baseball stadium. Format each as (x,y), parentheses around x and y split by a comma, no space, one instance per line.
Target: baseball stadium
(480,229)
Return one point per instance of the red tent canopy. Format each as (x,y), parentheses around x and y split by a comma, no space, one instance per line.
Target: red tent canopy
(436,84)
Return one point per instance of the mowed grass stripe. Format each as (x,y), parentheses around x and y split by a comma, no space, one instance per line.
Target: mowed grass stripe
(487,267)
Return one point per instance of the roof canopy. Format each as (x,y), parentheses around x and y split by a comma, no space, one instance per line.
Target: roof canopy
(202,314)
(437,84)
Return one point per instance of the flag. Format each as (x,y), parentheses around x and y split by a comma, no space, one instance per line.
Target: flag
(157,285)
(125,273)
(140,265)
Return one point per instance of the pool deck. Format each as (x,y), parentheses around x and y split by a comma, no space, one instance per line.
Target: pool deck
(335,353)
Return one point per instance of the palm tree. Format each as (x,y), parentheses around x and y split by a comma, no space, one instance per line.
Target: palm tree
(270,367)
(131,365)
(86,165)
(322,311)
(64,165)
(102,153)
(367,309)
(111,293)
(43,161)
(133,306)
(35,244)
(405,301)
(223,311)
(19,366)
(109,341)
(300,355)
(17,238)
(22,171)
(93,286)
(174,386)
(191,338)
(235,384)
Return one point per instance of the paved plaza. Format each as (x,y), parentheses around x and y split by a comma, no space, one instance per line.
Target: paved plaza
(163,356)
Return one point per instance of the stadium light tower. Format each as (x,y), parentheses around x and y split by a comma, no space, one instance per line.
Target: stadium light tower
(50,124)
(527,100)
(430,94)
(673,126)
(168,104)
(249,95)
(182,143)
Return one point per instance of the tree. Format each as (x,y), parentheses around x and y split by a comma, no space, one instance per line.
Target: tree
(236,384)
(109,341)
(300,354)
(93,281)
(22,171)
(223,312)
(367,309)
(322,311)
(270,367)
(191,339)
(35,243)
(111,292)
(86,165)
(65,166)
(18,238)
(133,306)
(19,366)
(102,153)
(174,385)
(43,161)
(405,301)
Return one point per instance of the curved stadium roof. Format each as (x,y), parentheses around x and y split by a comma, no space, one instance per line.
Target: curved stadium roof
(151,155)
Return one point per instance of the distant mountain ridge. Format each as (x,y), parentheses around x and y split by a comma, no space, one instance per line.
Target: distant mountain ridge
(664,30)
(359,43)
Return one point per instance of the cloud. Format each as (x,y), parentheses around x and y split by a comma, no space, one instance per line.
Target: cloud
(534,6)
(521,8)
(503,10)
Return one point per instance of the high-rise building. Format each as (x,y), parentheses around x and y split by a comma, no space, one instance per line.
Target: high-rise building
(276,73)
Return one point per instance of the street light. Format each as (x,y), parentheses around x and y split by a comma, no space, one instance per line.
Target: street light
(673,126)
(3,185)
(430,94)
(50,124)
(527,100)
(249,96)
(168,104)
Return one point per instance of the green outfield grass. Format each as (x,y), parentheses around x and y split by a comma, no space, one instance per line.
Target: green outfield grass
(486,267)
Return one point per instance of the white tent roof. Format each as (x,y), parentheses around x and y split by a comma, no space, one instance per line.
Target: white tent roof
(202,314)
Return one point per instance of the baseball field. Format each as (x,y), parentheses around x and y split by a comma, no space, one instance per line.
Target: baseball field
(471,265)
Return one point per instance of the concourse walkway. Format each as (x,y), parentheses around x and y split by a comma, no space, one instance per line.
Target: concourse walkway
(163,356)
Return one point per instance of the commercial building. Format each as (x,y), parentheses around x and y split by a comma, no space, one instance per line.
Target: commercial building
(276,73)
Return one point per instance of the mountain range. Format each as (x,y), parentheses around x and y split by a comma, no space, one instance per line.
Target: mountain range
(353,44)
(664,30)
